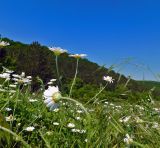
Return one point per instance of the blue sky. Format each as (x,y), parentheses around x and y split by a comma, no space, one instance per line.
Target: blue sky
(109,31)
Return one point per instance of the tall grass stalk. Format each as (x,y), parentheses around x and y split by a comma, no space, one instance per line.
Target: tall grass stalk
(74,80)
(57,69)
(16,102)
(16,136)
(46,142)
(97,94)
(129,78)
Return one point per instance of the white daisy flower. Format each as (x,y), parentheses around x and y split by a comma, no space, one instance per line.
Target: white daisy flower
(78,56)
(8,109)
(10,118)
(52,95)
(108,79)
(13,86)
(2,90)
(19,124)
(82,131)
(57,50)
(118,106)
(24,80)
(78,118)
(5,75)
(21,79)
(125,119)
(106,102)
(50,83)
(23,74)
(12,91)
(53,80)
(75,130)
(29,77)
(78,131)
(91,110)
(33,100)
(155,125)
(55,123)
(63,103)
(56,110)
(71,125)
(16,76)
(3,44)
(7,70)
(30,128)
(128,139)
(138,120)
(111,104)
(79,111)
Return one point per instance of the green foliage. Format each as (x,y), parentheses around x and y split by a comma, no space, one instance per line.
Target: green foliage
(4,137)
(104,128)
(37,60)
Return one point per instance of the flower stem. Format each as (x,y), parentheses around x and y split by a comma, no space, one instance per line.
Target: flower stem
(59,81)
(15,135)
(46,142)
(74,80)
(97,94)
(7,102)
(16,102)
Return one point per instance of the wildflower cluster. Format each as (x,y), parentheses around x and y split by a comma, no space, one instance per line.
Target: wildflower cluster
(12,80)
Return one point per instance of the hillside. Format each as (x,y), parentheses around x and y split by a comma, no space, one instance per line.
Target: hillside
(36,60)
(150,84)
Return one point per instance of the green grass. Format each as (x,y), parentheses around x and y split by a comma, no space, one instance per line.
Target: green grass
(150,84)
(102,128)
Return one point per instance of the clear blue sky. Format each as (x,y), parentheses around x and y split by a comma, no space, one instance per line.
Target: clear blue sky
(107,30)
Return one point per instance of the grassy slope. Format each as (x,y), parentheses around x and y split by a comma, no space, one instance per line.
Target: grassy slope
(150,84)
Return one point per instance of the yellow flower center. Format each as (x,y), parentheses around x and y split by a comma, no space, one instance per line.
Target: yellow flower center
(20,81)
(57,52)
(56,97)
(77,56)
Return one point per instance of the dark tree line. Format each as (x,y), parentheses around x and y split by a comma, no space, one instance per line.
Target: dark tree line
(37,60)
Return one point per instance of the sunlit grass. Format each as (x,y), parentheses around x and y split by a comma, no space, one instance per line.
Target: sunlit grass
(105,127)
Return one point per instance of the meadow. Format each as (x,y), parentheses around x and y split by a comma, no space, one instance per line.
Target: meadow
(50,118)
